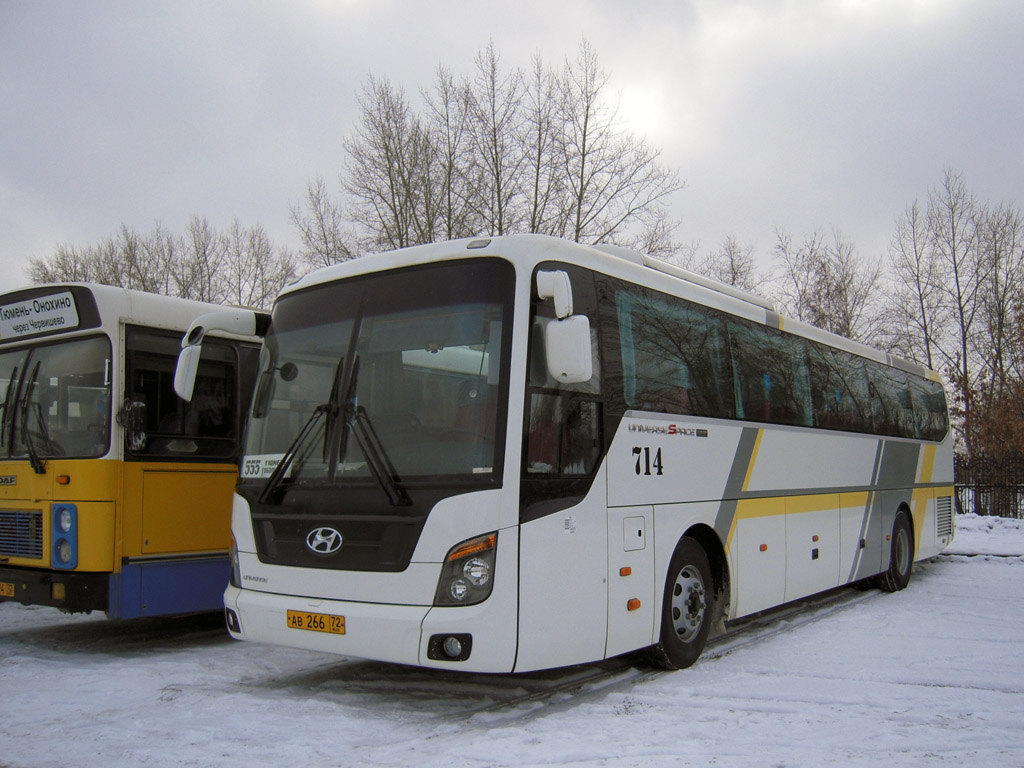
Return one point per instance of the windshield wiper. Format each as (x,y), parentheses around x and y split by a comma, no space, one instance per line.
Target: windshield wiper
(286,460)
(376,457)
(6,405)
(23,405)
(331,409)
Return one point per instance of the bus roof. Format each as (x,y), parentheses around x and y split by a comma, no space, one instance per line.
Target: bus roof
(610,259)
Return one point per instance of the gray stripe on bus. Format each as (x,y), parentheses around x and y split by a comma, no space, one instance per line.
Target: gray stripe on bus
(867,511)
(734,484)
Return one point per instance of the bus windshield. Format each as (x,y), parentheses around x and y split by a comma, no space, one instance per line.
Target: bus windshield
(55,400)
(395,378)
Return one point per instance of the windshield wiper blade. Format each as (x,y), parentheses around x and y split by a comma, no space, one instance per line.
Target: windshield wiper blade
(6,405)
(286,460)
(23,406)
(331,409)
(376,457)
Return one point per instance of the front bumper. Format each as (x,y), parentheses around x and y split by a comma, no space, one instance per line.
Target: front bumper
(70,591)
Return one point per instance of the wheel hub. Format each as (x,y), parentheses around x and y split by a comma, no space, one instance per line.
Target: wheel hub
(688,604)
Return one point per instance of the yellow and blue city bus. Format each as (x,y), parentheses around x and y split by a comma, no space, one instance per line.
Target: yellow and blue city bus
(115,495)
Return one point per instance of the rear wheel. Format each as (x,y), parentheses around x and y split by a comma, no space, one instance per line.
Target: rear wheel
(687,608)
(901,555)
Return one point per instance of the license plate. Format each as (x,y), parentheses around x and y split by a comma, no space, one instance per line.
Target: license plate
(6,589)
(316,622)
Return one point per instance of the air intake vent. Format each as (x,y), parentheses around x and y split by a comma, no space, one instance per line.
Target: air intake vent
(944,516)
(21,533)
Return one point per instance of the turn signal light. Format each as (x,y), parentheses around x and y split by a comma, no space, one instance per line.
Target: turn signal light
(633,604)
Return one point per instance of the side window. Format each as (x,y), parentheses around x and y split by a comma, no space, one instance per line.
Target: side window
(839,390)
(157,422)
(563,434)
(771,378)
(892,406)
(674,356)
(929,409)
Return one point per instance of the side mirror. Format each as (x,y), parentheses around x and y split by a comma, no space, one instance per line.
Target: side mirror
(241,322)
(556,286)
(185,372)
(567,347)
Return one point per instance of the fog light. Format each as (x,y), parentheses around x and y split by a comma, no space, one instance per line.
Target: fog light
(447,647)
(453,647)
(231,619)
(58,592)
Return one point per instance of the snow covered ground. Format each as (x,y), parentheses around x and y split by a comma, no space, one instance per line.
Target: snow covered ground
(933,675)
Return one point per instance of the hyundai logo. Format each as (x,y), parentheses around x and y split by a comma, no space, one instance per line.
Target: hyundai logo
(324,541)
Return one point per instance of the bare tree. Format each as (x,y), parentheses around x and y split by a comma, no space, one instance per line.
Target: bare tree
(389,162)
(732,264)
(68,263)
(240,267)
(953,227)
(449,108)
(916,313)
(1001,244)
(543,184)
(252,275)
(501,153)
(321,226)
(824,283)
(496,131)
(615,180)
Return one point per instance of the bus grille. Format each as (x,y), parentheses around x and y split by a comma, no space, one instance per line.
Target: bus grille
(944,516)
(21,533)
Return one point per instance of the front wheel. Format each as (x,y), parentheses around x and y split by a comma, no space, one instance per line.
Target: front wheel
(901,556)
(687,608)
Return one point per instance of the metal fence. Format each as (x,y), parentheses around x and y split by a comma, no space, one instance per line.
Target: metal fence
(988,486)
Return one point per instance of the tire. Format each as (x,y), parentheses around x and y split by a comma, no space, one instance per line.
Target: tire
(901,556)
(687,609)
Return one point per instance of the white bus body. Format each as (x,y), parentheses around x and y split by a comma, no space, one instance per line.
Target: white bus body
(717,461)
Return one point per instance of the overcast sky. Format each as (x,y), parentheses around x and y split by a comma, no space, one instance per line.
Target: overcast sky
(797,114)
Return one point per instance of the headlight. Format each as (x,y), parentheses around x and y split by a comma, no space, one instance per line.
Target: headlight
(64,536)
(63,551)
(467,572)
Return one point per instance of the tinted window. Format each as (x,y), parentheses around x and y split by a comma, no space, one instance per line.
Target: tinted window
(160,424)
(674,356)
(770,372)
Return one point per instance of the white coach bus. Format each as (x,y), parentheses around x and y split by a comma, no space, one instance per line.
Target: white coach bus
(517,453)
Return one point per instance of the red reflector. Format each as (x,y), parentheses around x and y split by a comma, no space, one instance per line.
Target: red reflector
(633,604)
(627,571)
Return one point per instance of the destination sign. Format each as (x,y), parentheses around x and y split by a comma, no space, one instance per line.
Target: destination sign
(44,314)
